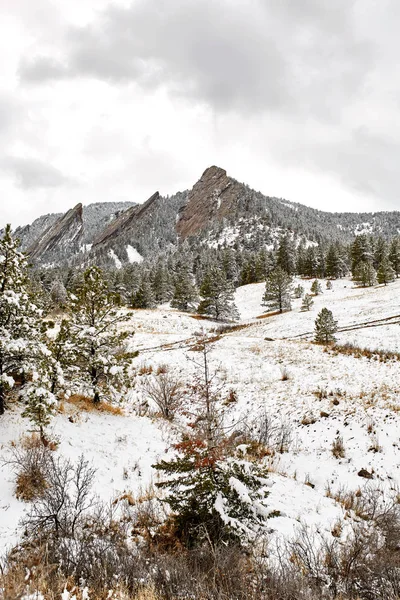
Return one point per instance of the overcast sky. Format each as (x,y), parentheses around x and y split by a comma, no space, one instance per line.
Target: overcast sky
(112,100)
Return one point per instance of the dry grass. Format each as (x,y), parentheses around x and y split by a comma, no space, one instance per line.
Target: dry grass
(352,350)
(338,450)
(86,404)
(270,314)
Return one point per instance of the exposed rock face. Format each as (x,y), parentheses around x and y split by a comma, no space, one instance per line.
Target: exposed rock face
(62,237)
(124,221)
(213,197)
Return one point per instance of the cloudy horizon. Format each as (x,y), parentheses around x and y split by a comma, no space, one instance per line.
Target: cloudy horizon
(112,100)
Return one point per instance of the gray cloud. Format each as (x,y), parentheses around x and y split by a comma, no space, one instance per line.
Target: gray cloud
(31,173)
(325,70)
(259,55)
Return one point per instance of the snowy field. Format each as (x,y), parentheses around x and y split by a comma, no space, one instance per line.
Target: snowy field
(311,394)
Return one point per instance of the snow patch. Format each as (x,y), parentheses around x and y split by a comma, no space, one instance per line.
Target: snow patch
(133,255)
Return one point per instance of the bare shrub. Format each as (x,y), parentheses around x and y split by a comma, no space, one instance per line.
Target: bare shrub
(166,392)
(30,462)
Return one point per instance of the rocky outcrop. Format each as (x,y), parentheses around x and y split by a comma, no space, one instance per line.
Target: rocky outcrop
(124,222)
(61,238)
(212,198)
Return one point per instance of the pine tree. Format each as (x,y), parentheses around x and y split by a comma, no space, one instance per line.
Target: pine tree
(214,495)
(325,327)
(360,251)
(332,262)
(99,347)
(385,273)
(143,297)
(329,285)
(185,294)
(316,288)
(307,302)
(278,290)
(298,291)
(217,296)
(394,255)
(286,255)
(364,274)
(22,348)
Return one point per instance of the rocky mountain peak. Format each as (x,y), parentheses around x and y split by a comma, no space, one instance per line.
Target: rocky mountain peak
(211,198)
(63,236)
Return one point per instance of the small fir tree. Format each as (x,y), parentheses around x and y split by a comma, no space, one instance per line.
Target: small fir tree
(101,357)
(278,290)
(325,327)
(214,494)
(316,288)
(307,302)
(298,291)
(329,285)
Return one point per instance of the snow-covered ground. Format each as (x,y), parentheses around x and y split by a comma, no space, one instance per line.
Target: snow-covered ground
(322,396)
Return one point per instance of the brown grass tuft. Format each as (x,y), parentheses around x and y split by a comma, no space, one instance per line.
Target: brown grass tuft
(87,404)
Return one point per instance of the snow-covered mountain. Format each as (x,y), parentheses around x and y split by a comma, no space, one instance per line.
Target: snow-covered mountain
(217,210)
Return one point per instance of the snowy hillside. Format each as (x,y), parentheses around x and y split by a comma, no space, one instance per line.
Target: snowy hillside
(312,396)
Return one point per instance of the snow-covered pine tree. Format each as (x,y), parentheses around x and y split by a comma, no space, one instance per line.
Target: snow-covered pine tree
(217,296)
(364,274)
(385,273)
(298,291)
(394,255)
(307,302)
(360,251)
(325,327)
(214,494)
(278,290)
(316,287)
(22,348)
(286,255)
(185,292)
(143,297)
(100,352)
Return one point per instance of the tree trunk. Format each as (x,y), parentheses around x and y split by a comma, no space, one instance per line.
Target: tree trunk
(2,408)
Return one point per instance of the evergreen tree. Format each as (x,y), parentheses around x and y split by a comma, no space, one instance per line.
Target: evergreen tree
(325,327)
(385,273)
(278,290)
(22,348)
(217,296)
(329,285)
(307,302)
(214,495)
(298,291)
(311,266)
(394,255)
(143,297)
(316,288)
(99,347)
(381,251)
(360,251)
(162,285)
(184,290)
(364,274)
(286,255)
(333,262)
